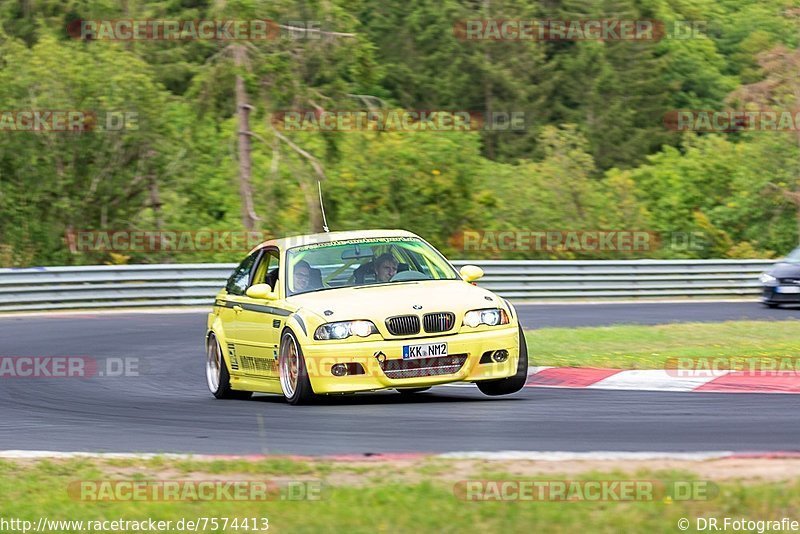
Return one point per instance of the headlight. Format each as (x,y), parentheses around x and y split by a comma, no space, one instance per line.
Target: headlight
(767,279)
(491,317)
(345,329)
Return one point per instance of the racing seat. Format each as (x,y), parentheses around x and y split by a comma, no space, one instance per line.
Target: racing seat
(271,278)
(315,279)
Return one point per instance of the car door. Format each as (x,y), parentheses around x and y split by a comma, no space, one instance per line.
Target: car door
(258,322)
(230,307)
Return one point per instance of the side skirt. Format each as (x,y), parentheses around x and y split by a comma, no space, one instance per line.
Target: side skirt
(259,385)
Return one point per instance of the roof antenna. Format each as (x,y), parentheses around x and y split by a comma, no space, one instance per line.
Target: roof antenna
(322,207)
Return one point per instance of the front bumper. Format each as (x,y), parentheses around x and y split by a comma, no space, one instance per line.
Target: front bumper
(770,295)
(320,357)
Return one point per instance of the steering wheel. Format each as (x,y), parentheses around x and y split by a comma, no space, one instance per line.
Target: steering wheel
(407,276)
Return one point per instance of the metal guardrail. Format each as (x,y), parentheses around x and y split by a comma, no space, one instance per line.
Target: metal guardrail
(54,288)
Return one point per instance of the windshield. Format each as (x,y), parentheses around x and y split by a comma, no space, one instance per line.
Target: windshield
(367,261)
(794,256)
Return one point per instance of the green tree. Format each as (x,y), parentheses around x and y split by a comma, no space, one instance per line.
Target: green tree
(52,182)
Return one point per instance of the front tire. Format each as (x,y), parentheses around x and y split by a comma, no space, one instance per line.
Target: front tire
(217,376)
(770,305)
(293,372)
(512,384)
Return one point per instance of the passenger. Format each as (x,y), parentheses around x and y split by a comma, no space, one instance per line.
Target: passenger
(302,276)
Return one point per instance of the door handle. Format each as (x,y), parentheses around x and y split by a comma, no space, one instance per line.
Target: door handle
(237,308)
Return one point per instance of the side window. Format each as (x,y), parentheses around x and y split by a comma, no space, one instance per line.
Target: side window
(239,281)
(267,270)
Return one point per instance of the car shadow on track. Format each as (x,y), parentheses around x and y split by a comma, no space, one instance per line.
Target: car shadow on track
(438,396)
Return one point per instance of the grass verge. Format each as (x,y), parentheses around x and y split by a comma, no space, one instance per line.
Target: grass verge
(650,347)
(417,497)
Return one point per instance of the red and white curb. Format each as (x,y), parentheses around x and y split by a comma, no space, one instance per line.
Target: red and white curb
(544,456)
(559,456)
(665,380)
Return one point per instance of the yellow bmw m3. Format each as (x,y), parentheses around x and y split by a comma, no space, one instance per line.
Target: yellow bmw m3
(345,312)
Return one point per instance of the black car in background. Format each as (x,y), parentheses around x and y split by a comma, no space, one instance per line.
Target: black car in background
(782,282)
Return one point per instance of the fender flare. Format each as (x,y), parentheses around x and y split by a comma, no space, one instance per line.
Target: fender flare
(298,327)
(216,330)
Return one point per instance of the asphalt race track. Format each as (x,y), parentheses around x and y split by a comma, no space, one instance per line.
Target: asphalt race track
(166,408)
(605,314)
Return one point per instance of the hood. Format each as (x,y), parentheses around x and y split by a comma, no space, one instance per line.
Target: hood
(387,300)
(785,270)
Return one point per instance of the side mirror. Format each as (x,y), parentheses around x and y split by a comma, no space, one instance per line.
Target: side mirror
(261,291)
(470,273)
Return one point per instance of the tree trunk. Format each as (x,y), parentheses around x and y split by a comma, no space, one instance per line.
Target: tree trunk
(310,194)
(488,104)
(155,205)
(312,205)
(243,107)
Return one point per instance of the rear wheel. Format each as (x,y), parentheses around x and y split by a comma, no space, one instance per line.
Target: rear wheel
(293,372)
(770,305)
(217,376)
(512,384)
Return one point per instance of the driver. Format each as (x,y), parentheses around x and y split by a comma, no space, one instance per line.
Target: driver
(385,267)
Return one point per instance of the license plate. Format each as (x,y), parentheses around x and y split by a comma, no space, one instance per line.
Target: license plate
(787,289)
(427,350)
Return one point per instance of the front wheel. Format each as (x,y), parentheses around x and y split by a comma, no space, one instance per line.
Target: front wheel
(512,384)
(293,372)
(217,376)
